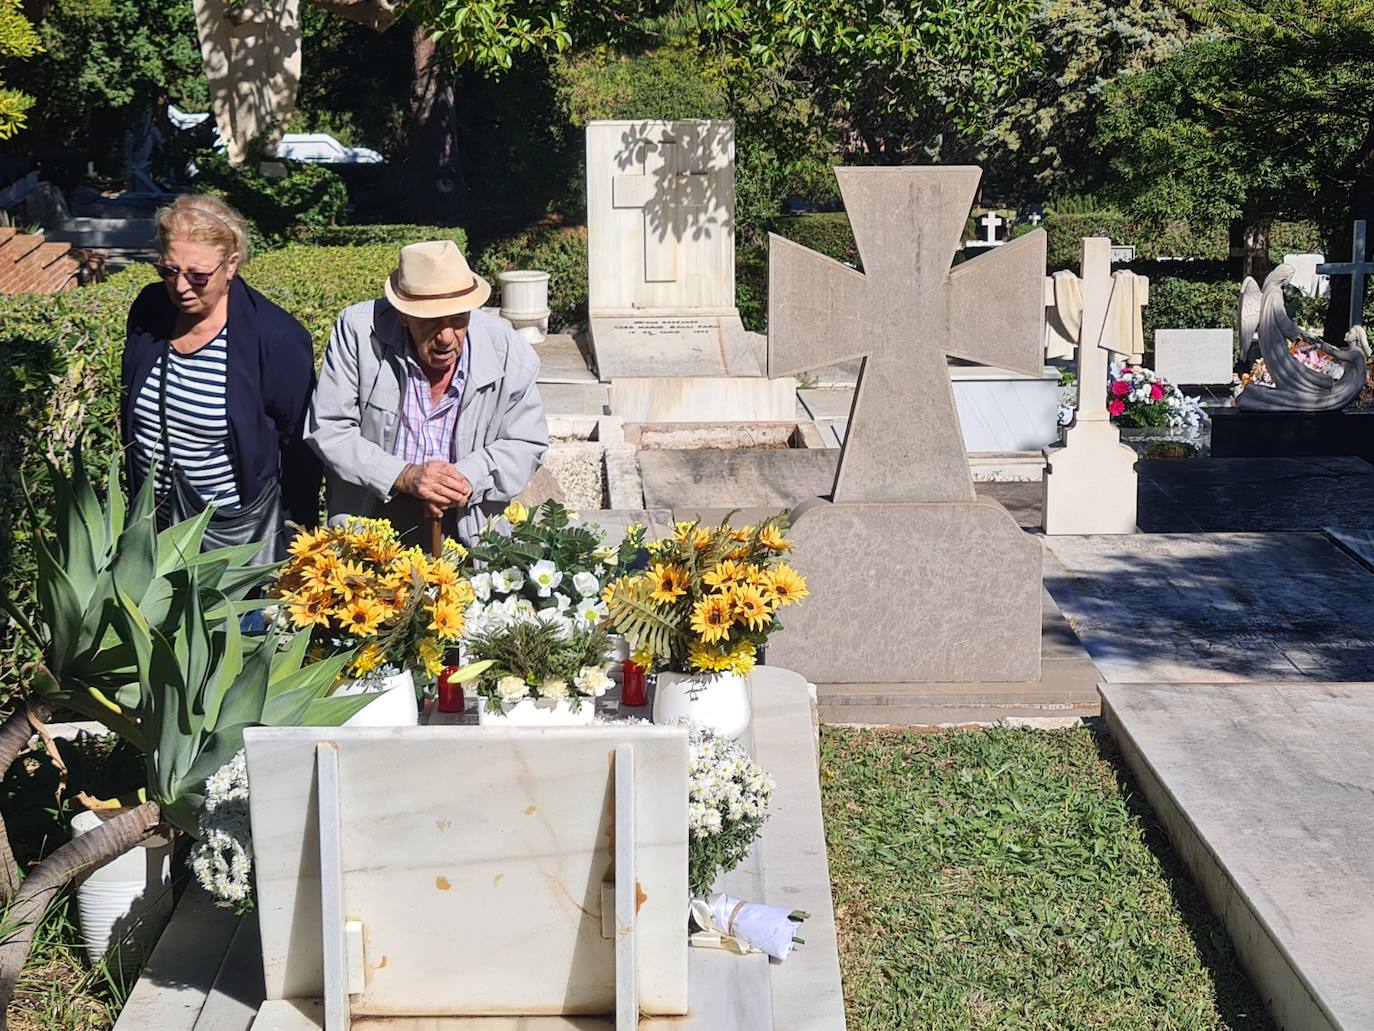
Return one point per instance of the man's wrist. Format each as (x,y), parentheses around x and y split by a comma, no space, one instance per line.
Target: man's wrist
(404,481)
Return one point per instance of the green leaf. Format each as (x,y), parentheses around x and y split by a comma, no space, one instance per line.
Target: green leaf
(334,711)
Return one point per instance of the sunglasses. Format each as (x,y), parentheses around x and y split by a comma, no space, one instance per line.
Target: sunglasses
(198,280)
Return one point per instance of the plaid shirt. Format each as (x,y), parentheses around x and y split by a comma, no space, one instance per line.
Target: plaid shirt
(427,429)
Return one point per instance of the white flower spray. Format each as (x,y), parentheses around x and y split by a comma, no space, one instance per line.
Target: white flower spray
(222,860)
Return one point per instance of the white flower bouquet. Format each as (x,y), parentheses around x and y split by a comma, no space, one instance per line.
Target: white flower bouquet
(727,805)
(1137,396)
(544,564)
(537,657)
(222,860)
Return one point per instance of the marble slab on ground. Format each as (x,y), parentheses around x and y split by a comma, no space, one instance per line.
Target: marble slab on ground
(675,345)
(588,399)
(1265,791)
(1358,544)
(1186,608)
(563,360)
(1257,495)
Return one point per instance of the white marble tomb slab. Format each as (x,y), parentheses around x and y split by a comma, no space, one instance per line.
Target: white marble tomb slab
(661,214)
(696,399)
(474,858)
(1194,356)
(673,345)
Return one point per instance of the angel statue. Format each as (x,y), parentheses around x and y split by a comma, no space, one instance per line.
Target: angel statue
(1319,377)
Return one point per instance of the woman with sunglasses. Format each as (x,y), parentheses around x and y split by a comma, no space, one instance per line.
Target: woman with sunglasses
(216,382)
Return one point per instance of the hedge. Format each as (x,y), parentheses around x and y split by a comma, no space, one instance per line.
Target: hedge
(307,199)
(396,235)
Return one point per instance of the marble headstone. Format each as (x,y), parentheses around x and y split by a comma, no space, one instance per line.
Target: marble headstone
(902,544)
(1306,279)
(475,861)
(661,250)
(1194,356)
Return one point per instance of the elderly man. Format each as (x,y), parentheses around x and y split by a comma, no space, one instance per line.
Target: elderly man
(426,408)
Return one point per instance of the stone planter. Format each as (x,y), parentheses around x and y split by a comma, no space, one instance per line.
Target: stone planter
(719,701)
(1139,438)
(537,712)
(525,302)
(124,904)
(397,707)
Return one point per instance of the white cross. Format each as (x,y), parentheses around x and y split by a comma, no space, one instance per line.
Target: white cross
(665,191)
(991,221)
(1033,218)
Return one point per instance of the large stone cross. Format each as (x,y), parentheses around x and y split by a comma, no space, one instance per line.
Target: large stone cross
(903,315)
(667,189)
(1357,269)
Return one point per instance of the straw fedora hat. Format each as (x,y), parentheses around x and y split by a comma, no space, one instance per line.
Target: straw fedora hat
(433,280)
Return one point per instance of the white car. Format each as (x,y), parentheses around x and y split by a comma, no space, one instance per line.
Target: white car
(314,147)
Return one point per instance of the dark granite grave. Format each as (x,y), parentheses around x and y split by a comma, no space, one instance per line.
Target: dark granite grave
(1237,434)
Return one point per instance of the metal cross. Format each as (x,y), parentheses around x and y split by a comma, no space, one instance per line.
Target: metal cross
(1356,268)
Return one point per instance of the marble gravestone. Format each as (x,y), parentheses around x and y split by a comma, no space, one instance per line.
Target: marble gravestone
(1201,357)
(442,872)
(1089,485)
(944,587)
(661,270)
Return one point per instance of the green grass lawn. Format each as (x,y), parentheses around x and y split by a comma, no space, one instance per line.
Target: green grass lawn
(58,991)
(1014,879)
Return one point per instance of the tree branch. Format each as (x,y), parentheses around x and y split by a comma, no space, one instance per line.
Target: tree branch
(15,733)
(378,15)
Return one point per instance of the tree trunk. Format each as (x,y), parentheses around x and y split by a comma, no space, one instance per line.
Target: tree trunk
(53,874)
(1359,205)
(1249,239)
(14,738)
(433,191)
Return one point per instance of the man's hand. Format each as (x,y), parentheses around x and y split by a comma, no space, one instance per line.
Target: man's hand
(437,484)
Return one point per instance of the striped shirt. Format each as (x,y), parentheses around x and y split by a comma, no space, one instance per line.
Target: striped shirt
(428,429)
(197,422)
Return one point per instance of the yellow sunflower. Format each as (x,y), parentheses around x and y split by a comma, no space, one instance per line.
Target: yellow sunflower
(361,617)
(788,586)
(446,620)
(442,573)
(670,582)
(724,574)
(707,658)
(712,618)
(310,609)
(369,657)
(749,607)
(772,539)
(349,581)
(307,545)
(742,534)
(431,654)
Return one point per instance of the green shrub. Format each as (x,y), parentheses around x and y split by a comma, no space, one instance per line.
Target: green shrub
(826,233)
(307,199)
(1151,240)
(1178,303)
(751,285)
(561,251)
(395,235)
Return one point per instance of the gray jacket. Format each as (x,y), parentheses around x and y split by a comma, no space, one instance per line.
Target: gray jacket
(354,418)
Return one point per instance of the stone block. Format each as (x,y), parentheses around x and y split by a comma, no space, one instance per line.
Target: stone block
(941,580)
(579,470)
(1090,483)
(673,344)
(623,486)
(704,399)
(709,479)
(1194,356)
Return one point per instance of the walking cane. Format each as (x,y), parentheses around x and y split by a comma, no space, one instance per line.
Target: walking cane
(436,536)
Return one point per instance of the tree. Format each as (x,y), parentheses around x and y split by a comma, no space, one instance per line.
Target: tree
(1040,142)
(899,82)
(17,39)
(1271,113)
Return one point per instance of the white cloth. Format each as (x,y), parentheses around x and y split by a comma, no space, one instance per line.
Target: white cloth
(1063,318)
(1125,323)
(769,929)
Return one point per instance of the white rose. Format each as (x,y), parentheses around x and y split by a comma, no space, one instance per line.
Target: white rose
(554,687)
(592,681)
(481,586)
(511,689)
(586,584)
(590,611)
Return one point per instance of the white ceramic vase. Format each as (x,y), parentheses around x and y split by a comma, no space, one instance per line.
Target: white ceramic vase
(397,707)
(719,701)
(537,712)
(525,302)
(124,904)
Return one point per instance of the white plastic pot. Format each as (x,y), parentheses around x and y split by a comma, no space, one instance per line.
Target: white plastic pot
(537,712)
(719,701)
(124,904)
(397,707)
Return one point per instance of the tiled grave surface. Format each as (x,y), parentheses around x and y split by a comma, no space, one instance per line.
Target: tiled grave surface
(1358,544)
(561,360)
(1266,791)
(1179,608)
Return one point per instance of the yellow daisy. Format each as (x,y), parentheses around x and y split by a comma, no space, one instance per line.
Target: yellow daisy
(369,657)
(442,573)
(310,609)
(787,585)
(670,582)
(712,618)
(749,607)
(707,658)
(361,617)
(724,574)
(772,539)
(446,620)
(349,580)
(307,545)
(431,654)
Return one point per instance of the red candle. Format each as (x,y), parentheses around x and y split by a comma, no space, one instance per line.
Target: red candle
(450,691)
(633,690)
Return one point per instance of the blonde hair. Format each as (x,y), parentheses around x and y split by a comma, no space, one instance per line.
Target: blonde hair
(203,220)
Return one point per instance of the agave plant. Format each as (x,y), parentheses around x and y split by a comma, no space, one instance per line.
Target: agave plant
(96,552)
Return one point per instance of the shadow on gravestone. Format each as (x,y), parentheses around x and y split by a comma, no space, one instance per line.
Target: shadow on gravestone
(946,586)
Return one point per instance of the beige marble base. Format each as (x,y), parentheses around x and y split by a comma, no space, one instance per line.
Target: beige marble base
(1090,483)
(912,593)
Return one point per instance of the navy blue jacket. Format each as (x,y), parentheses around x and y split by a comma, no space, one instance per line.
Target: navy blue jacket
(270,379)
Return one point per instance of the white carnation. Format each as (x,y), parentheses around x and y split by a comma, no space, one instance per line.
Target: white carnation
(511,689)
(554,687)
(481,586)
(592,681)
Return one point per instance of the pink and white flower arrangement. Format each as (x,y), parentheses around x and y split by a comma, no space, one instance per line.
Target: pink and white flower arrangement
(1137,396)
